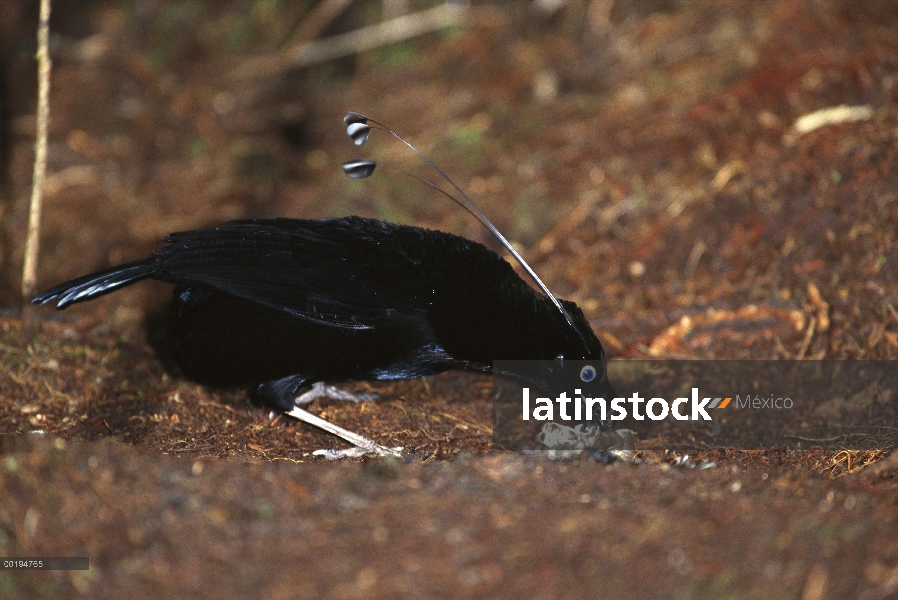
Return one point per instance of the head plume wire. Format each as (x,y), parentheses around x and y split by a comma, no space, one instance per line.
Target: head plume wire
(362,167)
(358,128)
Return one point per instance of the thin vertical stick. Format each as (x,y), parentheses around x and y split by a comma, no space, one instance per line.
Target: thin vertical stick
(29,270)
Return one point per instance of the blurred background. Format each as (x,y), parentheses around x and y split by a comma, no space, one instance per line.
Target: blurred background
(641,153)
(673,166)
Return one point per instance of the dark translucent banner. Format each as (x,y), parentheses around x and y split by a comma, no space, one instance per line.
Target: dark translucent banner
(683,405)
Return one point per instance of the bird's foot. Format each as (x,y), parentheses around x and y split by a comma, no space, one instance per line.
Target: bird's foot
(363,445)
(323,390)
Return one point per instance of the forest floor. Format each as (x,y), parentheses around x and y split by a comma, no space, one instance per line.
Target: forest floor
(646,160)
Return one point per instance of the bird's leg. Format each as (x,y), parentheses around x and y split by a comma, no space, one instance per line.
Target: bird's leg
(322,390)
(363,445)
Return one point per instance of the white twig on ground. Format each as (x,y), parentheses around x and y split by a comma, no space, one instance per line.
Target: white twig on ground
(319,18)
(363,445)
(832,116)
(360,40)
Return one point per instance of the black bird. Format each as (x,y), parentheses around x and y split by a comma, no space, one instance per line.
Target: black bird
(279,304)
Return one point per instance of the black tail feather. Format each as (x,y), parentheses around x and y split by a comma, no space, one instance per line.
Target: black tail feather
(97,284)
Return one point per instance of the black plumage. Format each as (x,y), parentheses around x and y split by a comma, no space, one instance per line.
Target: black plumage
(277,304)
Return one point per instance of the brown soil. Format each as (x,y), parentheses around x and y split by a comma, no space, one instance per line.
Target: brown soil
(656,179)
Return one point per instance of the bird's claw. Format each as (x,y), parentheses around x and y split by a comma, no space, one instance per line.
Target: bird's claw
(323,390)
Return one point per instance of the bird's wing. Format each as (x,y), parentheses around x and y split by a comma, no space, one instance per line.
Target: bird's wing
(352,272)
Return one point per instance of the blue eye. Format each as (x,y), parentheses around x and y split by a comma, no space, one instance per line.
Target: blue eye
(587,373)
